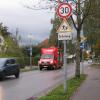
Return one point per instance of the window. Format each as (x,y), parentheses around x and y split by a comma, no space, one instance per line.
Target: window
(11,61)
(47,56)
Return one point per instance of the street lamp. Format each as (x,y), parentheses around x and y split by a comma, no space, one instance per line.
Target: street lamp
(30,36)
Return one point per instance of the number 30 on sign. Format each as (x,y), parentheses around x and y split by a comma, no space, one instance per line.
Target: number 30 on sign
(64,10)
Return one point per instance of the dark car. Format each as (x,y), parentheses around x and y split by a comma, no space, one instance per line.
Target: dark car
(8,66)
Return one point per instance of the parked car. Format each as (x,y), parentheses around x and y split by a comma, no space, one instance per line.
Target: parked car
(8,66)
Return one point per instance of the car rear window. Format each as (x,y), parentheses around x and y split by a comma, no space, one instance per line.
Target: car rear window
(11,61)
(2,62)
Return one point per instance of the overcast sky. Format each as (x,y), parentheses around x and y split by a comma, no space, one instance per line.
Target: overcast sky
(14,15)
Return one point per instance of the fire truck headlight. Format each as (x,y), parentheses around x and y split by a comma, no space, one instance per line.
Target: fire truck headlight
(39,62)
(51,62)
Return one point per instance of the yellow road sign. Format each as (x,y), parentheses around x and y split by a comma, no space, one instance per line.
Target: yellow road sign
(64,27)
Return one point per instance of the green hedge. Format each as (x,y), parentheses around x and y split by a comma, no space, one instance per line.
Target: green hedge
(36,59)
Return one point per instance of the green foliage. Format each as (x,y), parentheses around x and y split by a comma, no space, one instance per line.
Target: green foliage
(10,48)
(4,30)
(36,50)
(53,36)
(58,93)
(92,26)
(36,59)
(96,49)
(70,47)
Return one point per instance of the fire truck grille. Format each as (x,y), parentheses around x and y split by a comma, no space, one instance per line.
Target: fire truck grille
(45,63)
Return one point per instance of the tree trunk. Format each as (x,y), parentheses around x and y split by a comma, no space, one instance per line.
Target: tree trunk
(77,72)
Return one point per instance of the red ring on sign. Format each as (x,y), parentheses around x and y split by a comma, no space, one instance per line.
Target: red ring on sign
(70,10)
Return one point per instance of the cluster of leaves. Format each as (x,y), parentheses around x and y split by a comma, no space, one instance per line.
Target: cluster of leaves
(12,49)
(53,40)
(35,50)
(92,27)
(4,30)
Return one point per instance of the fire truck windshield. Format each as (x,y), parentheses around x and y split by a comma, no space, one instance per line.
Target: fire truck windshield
(47,56)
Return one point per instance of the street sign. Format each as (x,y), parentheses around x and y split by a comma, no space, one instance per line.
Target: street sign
(82,45)
(64,10)
(64,31)
(64,27)
(65,36)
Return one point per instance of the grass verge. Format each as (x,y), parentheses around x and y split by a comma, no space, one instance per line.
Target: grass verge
(26,69)
(58,93)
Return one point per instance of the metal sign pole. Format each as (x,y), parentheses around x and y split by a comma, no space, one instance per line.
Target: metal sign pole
(64,10)
(65,67)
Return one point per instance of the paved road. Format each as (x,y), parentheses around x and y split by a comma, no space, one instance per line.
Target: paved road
(31,83)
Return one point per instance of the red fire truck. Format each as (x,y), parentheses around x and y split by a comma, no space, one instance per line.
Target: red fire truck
(51,58)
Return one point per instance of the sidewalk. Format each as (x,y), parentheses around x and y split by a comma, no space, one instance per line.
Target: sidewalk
(90,89)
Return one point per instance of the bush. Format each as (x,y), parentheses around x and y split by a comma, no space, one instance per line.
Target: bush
(36,59)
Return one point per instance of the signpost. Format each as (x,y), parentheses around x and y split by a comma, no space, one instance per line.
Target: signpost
(63,36)
(64,31)
(64,11)
(30,36)
(64,27)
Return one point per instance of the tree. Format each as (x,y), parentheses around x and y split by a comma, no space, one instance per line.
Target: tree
(9,47)
(4,30)
(96,49)
(82,13)
(92,27)
(53,40)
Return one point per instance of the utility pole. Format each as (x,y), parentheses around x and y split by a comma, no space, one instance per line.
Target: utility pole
(17,36)
(30,56)
(30,37)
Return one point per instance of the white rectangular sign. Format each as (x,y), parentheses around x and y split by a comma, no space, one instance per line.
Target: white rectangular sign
(64,36)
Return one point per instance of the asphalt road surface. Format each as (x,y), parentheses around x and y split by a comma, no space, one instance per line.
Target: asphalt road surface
(33,83)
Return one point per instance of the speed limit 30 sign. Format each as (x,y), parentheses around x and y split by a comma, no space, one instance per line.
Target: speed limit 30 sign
(64,10)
